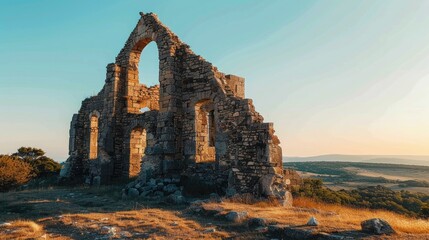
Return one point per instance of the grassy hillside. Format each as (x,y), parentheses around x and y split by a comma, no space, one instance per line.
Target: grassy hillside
(349,175)
(391,159)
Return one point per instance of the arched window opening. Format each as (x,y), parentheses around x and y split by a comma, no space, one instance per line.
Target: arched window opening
(93,138)
(137,147)
(143,77)
(149,65)
(205,132)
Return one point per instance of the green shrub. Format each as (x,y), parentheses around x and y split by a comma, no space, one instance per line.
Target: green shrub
(375,197)
(13,173)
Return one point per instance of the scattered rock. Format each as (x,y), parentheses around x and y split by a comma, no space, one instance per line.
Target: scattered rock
(125,234)
(328,236)
(212,210)
(106,230)
(262,229)
(133,193)
(288,232)
(124,196)
(96,181)
(230,192)
(196,206)
(170,188)
(377,226)
(209,230)
(214,197)
(234,216)
(145,193)
(152,182)
(176,199)
(312,222)
(158,194)
(257,222)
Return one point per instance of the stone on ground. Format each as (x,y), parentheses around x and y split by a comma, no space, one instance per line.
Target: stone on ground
(257,222)
(377,226)
(133,192)
(312,222)
(234,216)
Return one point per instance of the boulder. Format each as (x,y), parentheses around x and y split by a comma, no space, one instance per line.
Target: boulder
(133,192)
(257,222)
(377,226)
(236,217)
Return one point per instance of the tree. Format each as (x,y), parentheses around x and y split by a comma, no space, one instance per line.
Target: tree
(13,172)
(42,165)
(29,153)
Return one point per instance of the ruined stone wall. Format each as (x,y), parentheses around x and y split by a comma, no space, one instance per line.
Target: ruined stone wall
(199,124)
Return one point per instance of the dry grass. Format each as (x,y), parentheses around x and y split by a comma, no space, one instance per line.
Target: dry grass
(81,213)
(354,216)
(152,223)
(330,216)
(21,230)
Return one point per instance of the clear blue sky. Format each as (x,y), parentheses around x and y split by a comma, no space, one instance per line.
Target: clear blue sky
(335,76)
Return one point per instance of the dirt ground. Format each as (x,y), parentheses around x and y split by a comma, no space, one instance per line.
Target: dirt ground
(85,213)
(100,213)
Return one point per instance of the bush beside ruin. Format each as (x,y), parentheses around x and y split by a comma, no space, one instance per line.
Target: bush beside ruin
(13,173)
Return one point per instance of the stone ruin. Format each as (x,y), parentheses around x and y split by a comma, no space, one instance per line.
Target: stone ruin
(200,133)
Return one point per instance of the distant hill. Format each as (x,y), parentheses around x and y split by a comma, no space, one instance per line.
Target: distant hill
(392,159)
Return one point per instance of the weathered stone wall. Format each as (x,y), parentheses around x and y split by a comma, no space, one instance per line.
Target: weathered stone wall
(199,125)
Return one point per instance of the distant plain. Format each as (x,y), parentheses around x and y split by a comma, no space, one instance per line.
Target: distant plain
(409,173)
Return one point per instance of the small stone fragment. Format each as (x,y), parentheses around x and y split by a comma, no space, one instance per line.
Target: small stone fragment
(312,222)
(210,230)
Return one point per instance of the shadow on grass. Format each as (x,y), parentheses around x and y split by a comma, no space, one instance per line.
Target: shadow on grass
(46,206)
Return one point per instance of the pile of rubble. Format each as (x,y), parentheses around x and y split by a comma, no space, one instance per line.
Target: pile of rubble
(156,189)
